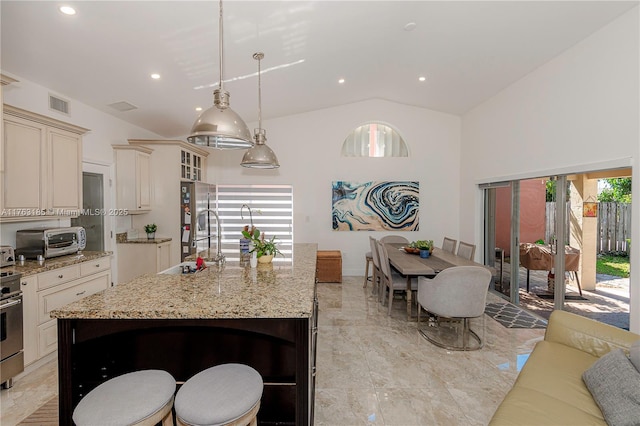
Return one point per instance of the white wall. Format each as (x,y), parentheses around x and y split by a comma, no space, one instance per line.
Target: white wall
(578,111)
(308,147)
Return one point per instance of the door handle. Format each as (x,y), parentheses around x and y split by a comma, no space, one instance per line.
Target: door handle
(12,303)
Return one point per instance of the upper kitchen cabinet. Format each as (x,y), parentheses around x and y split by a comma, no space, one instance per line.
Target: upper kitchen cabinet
(41,175)
(133,178)
(173,161)
(189,160)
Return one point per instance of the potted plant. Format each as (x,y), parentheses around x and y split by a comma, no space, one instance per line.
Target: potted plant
(425,247)
(264,249)
(150,229)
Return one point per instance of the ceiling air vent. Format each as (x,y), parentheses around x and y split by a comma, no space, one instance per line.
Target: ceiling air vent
(58,104)
(123,106)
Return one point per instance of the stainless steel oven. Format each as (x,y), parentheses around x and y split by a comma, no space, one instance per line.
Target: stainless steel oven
(11,338)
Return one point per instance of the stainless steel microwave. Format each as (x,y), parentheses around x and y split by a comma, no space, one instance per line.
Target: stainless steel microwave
(50,242)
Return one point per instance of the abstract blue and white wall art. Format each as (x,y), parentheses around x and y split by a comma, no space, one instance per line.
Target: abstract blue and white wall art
(375,206)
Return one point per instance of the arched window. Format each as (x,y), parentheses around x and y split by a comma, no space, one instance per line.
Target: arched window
(374,140)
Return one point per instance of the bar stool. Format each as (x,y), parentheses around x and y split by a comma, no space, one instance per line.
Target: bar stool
(369,258)
(227,394)
(140,398)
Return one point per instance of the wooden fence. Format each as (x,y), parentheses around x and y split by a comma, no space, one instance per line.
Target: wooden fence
(614,225)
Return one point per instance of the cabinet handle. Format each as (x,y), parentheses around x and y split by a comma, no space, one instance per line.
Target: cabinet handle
(60,276)
(24,283)
(81,293)
(97,265)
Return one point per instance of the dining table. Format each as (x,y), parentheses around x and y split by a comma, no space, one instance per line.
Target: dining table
(412,265)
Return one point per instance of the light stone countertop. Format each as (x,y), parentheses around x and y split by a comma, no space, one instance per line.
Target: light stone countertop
(32,267)
(145,240)
(268,291)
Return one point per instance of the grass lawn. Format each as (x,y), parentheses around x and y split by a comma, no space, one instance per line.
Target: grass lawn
(613,265)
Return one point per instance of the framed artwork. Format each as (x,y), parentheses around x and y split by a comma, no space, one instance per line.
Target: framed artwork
(589,209)
(375,206)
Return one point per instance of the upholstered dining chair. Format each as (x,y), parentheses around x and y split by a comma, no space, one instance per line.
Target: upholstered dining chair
(466,250)
(387,239)
(449,244)
(454,297)
(390,280)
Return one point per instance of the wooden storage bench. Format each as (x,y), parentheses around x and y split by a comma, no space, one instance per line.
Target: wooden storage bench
(329,266)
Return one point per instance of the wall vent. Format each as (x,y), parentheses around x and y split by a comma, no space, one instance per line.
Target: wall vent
(122,106)
(58,104)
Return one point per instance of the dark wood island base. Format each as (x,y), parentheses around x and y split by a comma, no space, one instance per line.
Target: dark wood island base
(92,351)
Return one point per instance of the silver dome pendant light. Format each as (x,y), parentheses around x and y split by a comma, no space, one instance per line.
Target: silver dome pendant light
(260,156)
(219,126)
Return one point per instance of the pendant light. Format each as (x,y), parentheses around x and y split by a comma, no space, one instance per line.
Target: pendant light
(219,126)
(260,156)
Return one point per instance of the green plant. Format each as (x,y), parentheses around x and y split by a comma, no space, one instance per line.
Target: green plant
(150,228)
(422,245)
(613,265)
(260,246)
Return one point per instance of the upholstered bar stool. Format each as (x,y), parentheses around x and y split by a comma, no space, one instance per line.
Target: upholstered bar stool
(140,398)
(367,277)
(227,394)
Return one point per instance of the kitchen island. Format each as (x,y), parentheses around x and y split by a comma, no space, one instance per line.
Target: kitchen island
(264,317)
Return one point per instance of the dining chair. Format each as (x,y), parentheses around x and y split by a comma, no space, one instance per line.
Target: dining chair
(449,244)
(454,297)
(387,239)
(390,280)
(375,260)
(368,259)
(466,250)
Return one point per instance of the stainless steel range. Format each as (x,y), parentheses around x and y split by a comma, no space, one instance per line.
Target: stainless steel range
(11,339)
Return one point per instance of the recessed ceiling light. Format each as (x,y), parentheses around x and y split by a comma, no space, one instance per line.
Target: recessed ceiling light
(155,76)
(341,81)
(421,78)
(67,10)
(198,108)
(410,26)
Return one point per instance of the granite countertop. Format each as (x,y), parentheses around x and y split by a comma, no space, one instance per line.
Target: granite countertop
(145,240)
(230,292)
(32,267)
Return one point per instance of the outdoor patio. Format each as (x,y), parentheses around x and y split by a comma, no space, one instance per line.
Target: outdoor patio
(609,303)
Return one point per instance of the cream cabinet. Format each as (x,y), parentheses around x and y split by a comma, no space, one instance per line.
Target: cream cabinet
(30,317)
(133,178)
(135,259)
(174,161)
(53,289)
(41,167)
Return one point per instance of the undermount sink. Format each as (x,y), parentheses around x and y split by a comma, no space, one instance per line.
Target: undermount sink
(179,270)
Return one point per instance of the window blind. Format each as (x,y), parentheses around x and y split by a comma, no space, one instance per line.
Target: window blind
(272,210)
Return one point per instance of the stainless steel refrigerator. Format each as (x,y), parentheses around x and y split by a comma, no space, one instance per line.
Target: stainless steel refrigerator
(196,224)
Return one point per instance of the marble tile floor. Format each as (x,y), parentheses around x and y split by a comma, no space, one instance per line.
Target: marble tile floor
(371,368)
(376,369)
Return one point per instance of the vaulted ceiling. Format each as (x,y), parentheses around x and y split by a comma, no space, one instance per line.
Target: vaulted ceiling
(467,51)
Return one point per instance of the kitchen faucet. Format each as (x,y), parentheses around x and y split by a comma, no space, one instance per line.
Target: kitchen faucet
(219,256)
(250,215)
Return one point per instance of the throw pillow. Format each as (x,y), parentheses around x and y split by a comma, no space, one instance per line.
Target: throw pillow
(634,354)
(615,385)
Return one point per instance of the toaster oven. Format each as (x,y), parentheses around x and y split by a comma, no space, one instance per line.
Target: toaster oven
(50,242)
